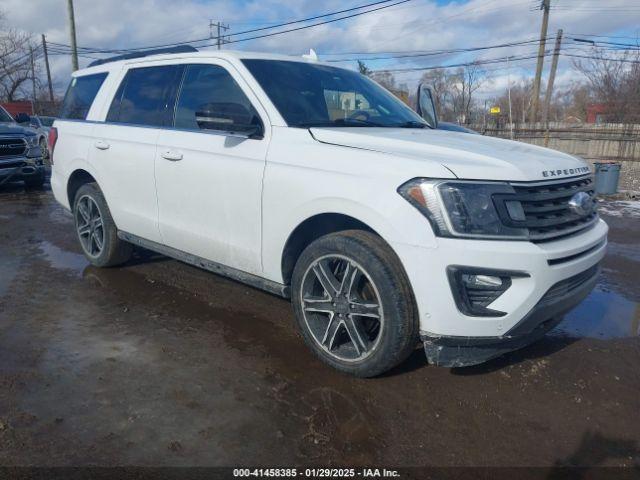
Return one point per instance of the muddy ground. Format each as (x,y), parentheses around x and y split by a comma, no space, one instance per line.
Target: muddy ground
(159,363)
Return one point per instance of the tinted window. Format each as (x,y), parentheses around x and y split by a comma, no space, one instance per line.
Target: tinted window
(80,96)
(146,96)
(210,93)
(309,94)
(5,117)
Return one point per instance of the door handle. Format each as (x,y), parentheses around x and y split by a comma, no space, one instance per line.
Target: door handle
(171,155)
(101,145)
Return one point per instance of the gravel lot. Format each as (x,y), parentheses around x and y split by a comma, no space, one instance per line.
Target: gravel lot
(159,363)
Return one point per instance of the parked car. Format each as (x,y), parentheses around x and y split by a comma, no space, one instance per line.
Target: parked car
(20,153)
(41,125)
(454,127)
(314,183)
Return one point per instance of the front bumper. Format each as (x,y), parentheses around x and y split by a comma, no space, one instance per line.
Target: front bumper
(455,339)
(548,312)
(22,168)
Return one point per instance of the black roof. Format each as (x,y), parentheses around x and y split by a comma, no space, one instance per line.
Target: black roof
(145,53)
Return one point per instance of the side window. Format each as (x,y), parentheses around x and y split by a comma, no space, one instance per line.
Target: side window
(146,96)
(80,95)
(211,98)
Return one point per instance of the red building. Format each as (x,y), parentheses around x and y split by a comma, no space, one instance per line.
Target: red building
(15,108)
(597,113)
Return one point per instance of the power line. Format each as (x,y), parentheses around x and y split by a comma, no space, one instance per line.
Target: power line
(456,65)
(423,53)
(384,4)
(504,59)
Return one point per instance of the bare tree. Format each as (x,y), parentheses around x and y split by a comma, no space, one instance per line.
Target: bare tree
(386,79)
(520,100)
(363,69)
(468,80)
(15,62)
(571,103)
(615,82)
(442,89)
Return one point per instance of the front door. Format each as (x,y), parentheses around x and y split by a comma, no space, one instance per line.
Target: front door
(209,182)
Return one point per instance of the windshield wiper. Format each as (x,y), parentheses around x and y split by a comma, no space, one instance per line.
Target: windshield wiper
(357,122)
(342,122)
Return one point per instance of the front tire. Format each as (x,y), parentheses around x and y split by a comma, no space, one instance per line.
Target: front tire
(353,304)
(96,229)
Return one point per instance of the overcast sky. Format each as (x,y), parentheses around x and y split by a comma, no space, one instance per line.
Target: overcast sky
(414,25)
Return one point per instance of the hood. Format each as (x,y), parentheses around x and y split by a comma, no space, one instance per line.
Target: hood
(7,128)
(466,156)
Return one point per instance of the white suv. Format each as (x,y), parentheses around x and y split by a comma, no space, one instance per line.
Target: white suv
(314,183)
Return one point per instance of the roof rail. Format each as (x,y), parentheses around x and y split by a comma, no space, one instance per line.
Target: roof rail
(145,53)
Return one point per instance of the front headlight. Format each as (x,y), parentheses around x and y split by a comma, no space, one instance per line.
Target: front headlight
(32,140)
(458,208)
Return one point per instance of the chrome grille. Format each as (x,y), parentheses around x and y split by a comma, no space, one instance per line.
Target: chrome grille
(12,147)
(547,214)
(10,164)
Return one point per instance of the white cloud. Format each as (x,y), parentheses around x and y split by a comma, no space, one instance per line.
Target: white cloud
(420,24)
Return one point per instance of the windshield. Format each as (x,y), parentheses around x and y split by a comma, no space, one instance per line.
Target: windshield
(310,95)
(5,117)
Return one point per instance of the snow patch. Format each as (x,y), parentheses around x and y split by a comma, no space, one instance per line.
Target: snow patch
(620,208)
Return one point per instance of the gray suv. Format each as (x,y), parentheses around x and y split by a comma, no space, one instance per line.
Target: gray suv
(20,153)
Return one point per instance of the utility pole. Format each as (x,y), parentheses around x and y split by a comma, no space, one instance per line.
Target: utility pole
(33,80)
(552,78)
(72,32)
(46,62)
(509,90)
(221,27)
(545,7)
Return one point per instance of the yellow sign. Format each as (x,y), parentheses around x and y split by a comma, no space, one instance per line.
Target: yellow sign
(495,110)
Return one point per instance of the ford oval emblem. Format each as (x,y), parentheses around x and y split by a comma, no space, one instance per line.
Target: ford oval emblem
(581,203)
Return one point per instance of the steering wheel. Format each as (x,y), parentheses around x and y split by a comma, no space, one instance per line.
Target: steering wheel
(360,113)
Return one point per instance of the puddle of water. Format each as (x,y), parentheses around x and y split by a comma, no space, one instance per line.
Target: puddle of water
(60,215)
(62,259)
(632,252)
(603,314)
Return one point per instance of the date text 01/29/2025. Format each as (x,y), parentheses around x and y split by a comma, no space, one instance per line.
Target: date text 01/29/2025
(316,472)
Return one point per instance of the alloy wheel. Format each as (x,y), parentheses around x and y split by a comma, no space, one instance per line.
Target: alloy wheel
(90,226)
(342,308)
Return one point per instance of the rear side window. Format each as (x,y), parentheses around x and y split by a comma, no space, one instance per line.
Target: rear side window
(146,96)
(209,88)
(80,95)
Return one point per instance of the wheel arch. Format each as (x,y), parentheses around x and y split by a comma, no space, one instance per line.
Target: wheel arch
(77,178)
(313,228)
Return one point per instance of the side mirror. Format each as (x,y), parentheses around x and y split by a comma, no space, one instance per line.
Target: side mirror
(229,117)
(23,118)
(426,106)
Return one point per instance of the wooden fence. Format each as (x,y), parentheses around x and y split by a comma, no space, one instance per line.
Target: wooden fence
(593,142)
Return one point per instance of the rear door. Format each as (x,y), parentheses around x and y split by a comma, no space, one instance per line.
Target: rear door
(209,182)
(75,134)
(124,147)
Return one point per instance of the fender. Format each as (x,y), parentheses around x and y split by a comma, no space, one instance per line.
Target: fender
(388,226)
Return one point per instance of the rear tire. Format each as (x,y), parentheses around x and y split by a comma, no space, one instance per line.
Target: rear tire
(353,303)
(96,229)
